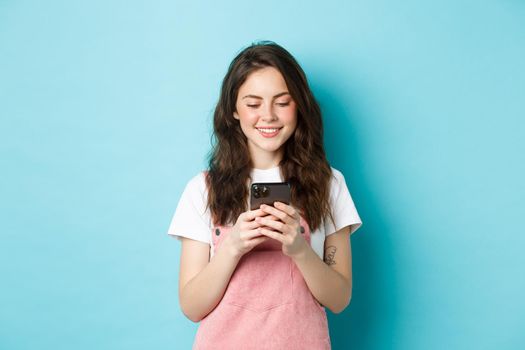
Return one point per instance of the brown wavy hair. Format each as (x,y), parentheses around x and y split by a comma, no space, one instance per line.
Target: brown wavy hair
(304,164)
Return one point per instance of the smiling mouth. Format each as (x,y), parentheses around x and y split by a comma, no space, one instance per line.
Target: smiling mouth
(269,132)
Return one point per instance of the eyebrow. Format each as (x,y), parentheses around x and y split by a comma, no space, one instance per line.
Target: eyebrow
(260,98)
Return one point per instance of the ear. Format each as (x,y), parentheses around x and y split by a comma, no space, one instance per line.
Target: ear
(235,115)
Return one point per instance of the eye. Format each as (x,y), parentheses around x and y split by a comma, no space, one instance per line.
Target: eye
(283,104)
(252,105)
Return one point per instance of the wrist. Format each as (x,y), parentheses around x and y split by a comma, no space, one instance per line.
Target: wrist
(230,251)
(302,254)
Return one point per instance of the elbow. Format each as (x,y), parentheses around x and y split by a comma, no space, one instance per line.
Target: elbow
(194,319)
(337,309)
(188,312)
(191,316)
(343,302)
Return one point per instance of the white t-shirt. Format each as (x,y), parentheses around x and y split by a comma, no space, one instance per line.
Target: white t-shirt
(193,220)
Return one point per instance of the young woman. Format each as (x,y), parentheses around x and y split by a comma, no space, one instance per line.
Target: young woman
(262,278)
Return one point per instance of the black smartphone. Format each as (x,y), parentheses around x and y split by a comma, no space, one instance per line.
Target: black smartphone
(268,193)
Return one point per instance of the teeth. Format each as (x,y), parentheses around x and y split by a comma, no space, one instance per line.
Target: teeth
(268,131)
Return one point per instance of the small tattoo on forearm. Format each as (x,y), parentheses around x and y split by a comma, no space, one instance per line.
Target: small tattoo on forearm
(329,255)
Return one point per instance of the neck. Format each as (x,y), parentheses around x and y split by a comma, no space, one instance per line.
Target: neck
(266,160)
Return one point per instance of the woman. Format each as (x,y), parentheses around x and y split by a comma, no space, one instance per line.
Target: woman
(262,278)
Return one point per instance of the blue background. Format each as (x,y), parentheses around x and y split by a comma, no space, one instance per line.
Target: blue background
(106,113)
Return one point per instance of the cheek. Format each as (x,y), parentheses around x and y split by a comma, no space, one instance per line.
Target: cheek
(289,116)
(247,116)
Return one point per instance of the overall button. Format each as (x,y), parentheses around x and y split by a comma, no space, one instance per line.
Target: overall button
(217,231)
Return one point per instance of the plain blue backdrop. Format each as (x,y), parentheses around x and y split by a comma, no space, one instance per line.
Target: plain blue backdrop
(105,111)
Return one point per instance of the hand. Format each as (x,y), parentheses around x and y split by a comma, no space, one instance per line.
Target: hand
(244,235)
(286,230)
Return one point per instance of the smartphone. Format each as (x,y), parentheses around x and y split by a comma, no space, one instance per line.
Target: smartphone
(268,193)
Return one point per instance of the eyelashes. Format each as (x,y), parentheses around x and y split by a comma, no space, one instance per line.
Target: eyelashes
(282,104)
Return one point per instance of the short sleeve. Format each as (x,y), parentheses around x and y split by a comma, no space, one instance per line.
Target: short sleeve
(343,207)
(191,218)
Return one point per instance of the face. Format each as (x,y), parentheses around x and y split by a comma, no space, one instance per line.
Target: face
(267,114)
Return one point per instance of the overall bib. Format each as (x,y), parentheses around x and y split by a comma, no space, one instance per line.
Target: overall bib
(267,304)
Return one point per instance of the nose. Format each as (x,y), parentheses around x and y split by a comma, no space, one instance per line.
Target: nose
(268,113)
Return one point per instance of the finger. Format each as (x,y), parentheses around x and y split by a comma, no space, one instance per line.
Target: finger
(272,234)
(273,224)
(278,213)
(271,217)
(252,214)
(247,235)
(288,209)
(250,225)
(256,241)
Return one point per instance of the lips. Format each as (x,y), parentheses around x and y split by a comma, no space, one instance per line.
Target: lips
(269,132)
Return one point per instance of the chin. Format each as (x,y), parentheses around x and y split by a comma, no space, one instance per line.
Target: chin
(273,148)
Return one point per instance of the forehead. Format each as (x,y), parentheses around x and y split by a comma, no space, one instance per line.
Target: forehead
(266,81)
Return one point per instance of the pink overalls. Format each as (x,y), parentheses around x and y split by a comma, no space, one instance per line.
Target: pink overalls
(267,304)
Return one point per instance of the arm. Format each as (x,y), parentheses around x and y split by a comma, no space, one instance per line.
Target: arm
(202,281)
(330,281)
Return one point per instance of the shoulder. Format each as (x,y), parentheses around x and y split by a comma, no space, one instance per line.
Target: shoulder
(196,190)
(197,183)
(339,191)
(337,179)
(191,218)
(337,175)
(343,207)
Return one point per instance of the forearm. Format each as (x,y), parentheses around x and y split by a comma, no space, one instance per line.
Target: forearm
(327,285)
(204,291)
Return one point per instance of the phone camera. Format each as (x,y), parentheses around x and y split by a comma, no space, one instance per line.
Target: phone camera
(260,191)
